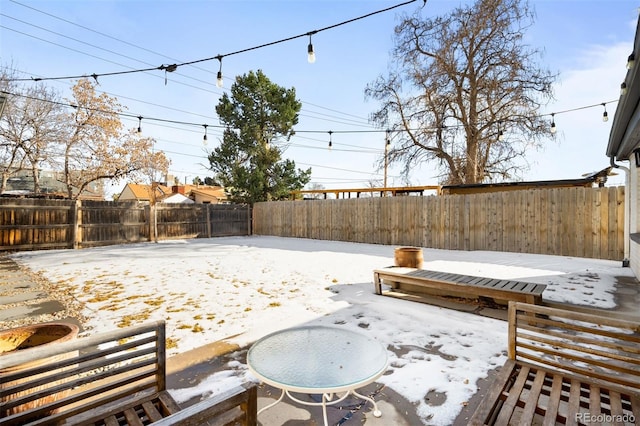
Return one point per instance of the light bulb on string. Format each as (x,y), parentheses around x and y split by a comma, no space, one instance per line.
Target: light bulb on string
(605,115)
(631,61)
(623,88)
(219,81)
(139,124)
(205,131)
(553,123)
(330,141)
(500,132)
(311,55)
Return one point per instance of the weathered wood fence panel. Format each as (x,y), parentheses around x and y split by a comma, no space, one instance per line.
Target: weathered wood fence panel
(229,220)
(45,223)
(33,224)
(108,222)
(582,222)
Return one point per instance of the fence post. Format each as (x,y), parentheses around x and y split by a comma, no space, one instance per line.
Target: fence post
(208,220)
(153,223)
(249,219)
(76,233)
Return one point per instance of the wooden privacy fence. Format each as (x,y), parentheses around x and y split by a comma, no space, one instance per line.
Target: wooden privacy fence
(582,222)
(33,224)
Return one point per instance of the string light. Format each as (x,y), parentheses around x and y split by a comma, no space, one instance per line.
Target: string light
(623,88)
(311,55)
(173,67)
(205,131)
(330,141)
(219,81)
(631,60)
(605,115)
(167,69)
(139,124)
(553,123)
(186,123)
(500,132)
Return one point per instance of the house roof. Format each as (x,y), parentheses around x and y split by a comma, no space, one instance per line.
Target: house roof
(143,192)
(587,181)
(178,198)
(625,129)
(209,191)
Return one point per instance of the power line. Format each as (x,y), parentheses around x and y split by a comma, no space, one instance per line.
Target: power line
(98,32)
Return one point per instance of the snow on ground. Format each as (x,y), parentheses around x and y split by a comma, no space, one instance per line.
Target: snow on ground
(242,288)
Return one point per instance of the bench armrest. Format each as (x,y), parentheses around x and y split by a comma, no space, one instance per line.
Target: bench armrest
(225,405)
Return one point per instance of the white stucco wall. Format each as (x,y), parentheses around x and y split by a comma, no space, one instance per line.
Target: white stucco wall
(634,215)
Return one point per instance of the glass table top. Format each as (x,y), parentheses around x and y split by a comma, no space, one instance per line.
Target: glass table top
(317,358)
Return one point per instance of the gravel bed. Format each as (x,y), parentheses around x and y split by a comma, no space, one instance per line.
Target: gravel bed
(73,308)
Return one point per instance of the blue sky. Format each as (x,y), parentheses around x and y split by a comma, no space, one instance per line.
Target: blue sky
(586,42)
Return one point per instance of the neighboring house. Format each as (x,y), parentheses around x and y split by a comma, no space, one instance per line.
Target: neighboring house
(178,198)
(142,193)
(201,194)
(51,186)
(593,179)
(208,194)
(624,145)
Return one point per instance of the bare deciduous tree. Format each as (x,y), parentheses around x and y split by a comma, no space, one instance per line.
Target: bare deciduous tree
(30,127)
(465,91)
(98,147)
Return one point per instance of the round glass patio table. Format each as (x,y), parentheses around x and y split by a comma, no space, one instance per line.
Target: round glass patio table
(318,360)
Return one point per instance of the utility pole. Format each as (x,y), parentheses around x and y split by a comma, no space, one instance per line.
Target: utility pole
(386,157)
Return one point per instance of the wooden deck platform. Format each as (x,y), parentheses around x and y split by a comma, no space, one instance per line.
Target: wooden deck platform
(449,284)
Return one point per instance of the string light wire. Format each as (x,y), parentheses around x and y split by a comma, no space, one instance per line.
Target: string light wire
(330,132)
(173,67)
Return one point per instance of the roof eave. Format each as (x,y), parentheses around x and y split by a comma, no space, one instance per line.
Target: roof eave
(625,129)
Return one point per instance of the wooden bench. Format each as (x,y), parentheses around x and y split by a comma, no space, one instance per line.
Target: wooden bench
(112,378)
(565,367)
(448,284)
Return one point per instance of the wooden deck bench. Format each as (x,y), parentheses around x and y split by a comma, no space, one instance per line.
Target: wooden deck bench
(448,284)
(565,367)
(112,378)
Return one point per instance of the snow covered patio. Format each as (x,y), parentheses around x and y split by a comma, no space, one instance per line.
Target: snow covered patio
(239,289)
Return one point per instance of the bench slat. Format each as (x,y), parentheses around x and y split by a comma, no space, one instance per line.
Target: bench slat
(531,403)
(494,394)
(635,406)
(111,421)
(131,417)
(169,405)
(573,407)
(616,408)
(151,411)
(553,401)
(513,397)
(594,400)
(222,407)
